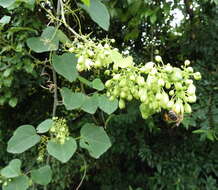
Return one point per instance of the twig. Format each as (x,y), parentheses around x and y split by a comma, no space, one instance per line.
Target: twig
(84,174)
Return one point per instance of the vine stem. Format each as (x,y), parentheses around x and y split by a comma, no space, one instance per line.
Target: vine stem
(84,174)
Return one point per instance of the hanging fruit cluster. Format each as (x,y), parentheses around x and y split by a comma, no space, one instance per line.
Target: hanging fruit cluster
(157,86)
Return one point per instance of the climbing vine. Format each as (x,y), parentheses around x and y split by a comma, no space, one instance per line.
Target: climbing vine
(105,80)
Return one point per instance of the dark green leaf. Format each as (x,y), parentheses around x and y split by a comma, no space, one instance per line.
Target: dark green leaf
(98,12)
(47,42)
(42,175)
(65,65)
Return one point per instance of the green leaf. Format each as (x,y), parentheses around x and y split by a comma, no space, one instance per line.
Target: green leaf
(72,100)
(94,139)
(62,37)
(48,41)
(5,20)
(42,175)
(86,2)
(106,105)
(44,126)
(6,3)
(18,183)
(12,170)
(97,84)
(62,152)
(153,18)
(98,13)
(24,138)
(90,104)
(65,65)
(13,102)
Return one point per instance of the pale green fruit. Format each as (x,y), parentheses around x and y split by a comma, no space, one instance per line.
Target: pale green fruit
(188,81)
(108,83)
(171,92)
(191,99)
(164,100)
(168,85)
(158,96)
(177,107)
(140,80)
(143,98)
(132,78)
(187,62)
(191,89)
(153,71)
(123,83)
(122,104)
(81,59)
(176,75)
(158,58)
(160,82)
(170,104)
(168,68)
(116,77)
(187,108)
(112,98)
(107,72)
(190,70)
(197,76)
(123,94)
(129,97)
(147,68)
(178,86)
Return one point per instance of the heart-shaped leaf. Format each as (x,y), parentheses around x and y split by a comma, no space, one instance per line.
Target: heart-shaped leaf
(97,84)
(24,138)
(62,152)
(44,126)
(106,105)
(90,105)
(72,100)
(65,65)
(48,41)
(94,139)
(12,170)
(42,175)
(98,13)
(18,183)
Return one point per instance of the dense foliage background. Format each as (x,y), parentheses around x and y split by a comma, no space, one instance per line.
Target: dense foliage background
(146,154)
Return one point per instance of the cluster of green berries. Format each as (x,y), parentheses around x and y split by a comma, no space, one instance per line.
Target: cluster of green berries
(59,130)
(92,54)
(42,148)
(157,86)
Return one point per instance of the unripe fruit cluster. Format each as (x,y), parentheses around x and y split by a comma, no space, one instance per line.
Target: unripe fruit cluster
(92,54)
(156,85)
(59,130)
